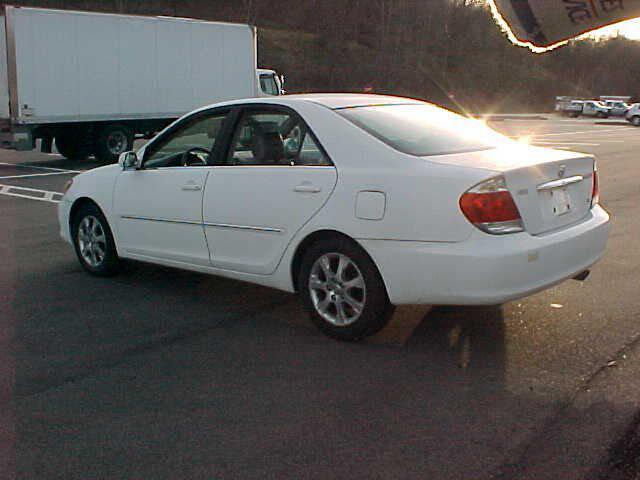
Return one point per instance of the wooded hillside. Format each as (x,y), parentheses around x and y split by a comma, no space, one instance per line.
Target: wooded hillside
(447,51)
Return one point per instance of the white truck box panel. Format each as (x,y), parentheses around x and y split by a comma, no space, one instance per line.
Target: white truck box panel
(75,66)
(138,66)
(4,76)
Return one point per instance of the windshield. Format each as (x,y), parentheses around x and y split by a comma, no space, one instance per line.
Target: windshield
(423,130)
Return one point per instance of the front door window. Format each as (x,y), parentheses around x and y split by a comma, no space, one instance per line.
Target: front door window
(191,145)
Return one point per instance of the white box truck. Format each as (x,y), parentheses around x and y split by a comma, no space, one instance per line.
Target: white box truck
(91,82)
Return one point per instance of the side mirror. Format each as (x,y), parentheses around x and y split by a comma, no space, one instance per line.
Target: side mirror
(128,161)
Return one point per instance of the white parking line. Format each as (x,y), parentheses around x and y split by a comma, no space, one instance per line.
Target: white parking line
(541,142)
(40,168)
(47,196)
(575,133)
(38,175)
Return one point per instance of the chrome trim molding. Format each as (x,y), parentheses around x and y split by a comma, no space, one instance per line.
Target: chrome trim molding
(160,220)
(243,227)
(215,225)
(563,182)
(297,167)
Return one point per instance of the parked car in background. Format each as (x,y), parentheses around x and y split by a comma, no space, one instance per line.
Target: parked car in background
(594,108)
(633,114)
(356,202)
(618,109)
(569,107)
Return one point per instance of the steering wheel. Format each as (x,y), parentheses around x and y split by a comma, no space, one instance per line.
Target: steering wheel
(195,157)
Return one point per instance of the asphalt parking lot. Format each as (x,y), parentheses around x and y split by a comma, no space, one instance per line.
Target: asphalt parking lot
(160,373)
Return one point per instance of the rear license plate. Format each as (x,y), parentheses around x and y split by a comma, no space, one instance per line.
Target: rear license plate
(560,201)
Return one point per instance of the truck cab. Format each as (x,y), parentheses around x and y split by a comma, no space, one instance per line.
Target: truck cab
(269,83)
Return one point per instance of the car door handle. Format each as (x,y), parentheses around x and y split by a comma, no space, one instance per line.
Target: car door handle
(191,188)
(306,188)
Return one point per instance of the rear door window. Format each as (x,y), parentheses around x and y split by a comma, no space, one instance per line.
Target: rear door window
(275,138)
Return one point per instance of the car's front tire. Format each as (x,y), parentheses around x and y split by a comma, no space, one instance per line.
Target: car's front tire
(636,121)
(342,290)
(93,241)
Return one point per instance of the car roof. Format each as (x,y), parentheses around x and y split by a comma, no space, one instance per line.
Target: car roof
(352,100)
(330,100)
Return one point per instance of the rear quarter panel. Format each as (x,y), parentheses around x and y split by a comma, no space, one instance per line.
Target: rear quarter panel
(422,197)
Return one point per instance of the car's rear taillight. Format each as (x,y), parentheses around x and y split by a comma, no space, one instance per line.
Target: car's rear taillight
(490,207)
(595,192)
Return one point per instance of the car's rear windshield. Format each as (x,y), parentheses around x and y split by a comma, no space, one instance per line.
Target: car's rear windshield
(423,130)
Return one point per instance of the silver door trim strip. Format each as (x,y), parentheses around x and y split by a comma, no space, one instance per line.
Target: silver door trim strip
(563,182)
(216,225)
(160,220)
(244,227)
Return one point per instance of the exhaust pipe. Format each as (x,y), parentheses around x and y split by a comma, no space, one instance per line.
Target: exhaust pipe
(581,277)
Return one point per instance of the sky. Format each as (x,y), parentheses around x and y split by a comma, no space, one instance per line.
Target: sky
(630,28)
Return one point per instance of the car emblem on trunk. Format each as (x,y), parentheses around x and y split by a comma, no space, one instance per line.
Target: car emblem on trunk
(562,172)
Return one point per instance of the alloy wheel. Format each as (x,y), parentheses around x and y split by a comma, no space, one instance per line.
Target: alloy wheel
(92,241)
(337,289)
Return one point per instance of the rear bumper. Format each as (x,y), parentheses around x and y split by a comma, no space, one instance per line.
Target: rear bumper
(485,269)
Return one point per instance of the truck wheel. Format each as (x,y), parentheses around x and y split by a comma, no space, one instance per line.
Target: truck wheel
(71,147)
(112,141)
(636,121)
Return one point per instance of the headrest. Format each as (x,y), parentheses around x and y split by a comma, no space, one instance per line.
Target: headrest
(268,148)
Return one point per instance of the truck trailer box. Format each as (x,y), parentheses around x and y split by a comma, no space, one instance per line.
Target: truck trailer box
(69,73)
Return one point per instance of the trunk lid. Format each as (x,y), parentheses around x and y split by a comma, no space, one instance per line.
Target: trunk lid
(551,188)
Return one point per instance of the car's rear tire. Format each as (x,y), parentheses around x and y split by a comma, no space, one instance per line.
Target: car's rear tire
(93,241)
(636,121)
(112,141)
(342,290)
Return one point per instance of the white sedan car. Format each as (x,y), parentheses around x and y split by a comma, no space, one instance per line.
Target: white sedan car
(356,202)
